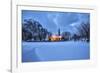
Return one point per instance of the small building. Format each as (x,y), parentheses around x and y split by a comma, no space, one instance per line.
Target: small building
(55,38)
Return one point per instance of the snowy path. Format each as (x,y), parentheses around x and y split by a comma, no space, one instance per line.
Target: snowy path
(52,51)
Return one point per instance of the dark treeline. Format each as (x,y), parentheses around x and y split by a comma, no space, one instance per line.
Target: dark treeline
(83,31)
(33,31)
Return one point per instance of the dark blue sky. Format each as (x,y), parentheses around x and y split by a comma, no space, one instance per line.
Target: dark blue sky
(66,21)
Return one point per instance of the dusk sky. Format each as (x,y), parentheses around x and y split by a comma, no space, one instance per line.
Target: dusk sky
(52,21)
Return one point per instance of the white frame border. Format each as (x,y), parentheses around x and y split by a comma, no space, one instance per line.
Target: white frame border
(17,65)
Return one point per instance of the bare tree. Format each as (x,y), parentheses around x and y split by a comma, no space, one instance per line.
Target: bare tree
(84,31)
(33,31)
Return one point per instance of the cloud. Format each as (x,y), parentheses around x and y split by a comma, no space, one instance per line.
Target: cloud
(53,17)
(74,24)
(82,18)
(62,19)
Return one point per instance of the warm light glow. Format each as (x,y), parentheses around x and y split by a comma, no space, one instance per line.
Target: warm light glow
(55,38)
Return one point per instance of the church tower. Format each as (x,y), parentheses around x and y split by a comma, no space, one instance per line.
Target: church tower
(59,32)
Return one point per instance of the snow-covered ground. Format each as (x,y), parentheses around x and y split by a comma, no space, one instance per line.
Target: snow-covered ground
(55,51)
